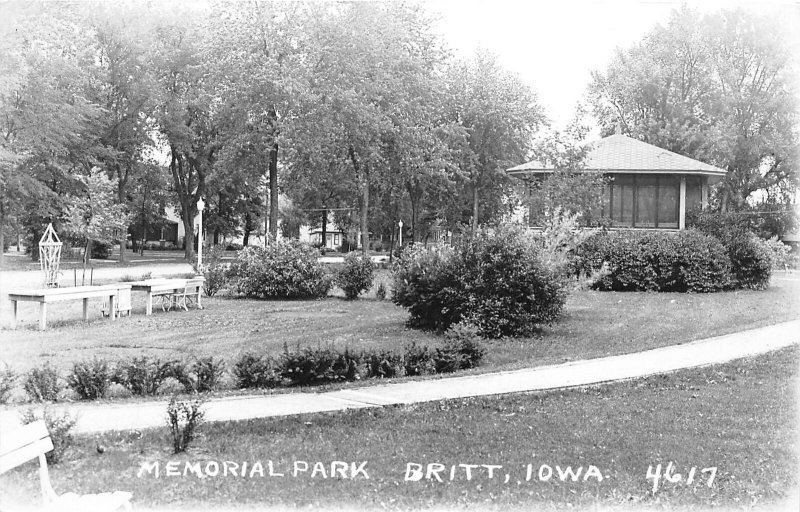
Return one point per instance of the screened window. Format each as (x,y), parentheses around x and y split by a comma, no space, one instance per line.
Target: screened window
(643,201)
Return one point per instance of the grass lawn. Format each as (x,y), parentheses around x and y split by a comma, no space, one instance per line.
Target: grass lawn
(596,324)
(20,261)
(740,418)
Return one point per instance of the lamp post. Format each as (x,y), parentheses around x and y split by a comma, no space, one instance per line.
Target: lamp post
(201,205)
(401,232)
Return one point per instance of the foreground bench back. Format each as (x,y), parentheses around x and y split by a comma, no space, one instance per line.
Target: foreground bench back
(33,441)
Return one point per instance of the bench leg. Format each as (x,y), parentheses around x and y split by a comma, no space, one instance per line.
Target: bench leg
(112,304)
(42,316)
(14,314)
(85,310)
(199,293)
(149,304)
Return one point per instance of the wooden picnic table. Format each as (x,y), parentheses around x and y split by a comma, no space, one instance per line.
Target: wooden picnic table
(44,296)
(168,286)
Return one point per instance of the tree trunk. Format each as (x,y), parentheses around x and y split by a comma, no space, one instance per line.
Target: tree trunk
(324,228)
(248,227)
(365,217)
(35,245)
(272,116)
(121,200)
(362,178)
(188,227)
(474,207)
(273,192)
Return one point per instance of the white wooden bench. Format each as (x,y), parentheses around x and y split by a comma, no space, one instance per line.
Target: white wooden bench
(45,296)
(173,291)
(32,441)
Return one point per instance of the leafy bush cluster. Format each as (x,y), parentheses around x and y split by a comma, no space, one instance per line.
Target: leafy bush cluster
(214,270)
(8,380)
(496,280)
(655,261)
(688,260)
(90,379)
(142,376)
(313,366)
(285,269)
(183,418)
(750,256)
(780,253)
(43,384)
(60,428)
(355,276)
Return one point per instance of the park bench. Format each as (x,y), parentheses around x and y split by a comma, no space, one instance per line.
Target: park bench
(33,440)
(172,292)
(45,296)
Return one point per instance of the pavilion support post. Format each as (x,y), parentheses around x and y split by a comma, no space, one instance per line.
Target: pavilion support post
(682,204)
(704,194)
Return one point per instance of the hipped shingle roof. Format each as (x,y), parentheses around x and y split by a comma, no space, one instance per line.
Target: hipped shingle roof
(622,154)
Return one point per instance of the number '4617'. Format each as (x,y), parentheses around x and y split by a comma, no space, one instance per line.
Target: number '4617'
(669,475)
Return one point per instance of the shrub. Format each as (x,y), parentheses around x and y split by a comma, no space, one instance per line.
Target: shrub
(205,374)
(751,260)
(462,349)
(43,384)
(355,276)
(214,270)
(90,379)
(101,250)
(655,261)
(496,280)
(144,375)
(384,365)
(380,291)
(183,418)
(424,282)
(418,360)
(256,371)
(779,253)
(465,339)
(286,269)
(750,257)
(8,379)
(60,429)
(311,366)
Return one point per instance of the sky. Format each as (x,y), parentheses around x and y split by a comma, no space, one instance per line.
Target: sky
(555,45)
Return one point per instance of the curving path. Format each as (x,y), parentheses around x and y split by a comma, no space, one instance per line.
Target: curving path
(720,349)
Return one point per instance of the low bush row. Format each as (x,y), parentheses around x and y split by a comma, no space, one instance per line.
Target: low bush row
(141,376)
(147,376)
(313,366)
(683,261)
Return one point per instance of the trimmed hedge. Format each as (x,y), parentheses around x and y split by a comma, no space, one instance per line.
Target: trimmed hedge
(495,280)
(655,261)
(285,269)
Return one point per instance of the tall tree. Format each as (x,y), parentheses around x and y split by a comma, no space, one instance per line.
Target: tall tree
(719,88)
(122,85)
(185,112)
(500,115)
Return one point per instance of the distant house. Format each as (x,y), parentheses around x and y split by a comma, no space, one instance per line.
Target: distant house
(334,237)
(650,187)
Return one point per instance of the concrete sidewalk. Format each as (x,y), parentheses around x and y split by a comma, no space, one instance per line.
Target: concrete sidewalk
(106,417)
